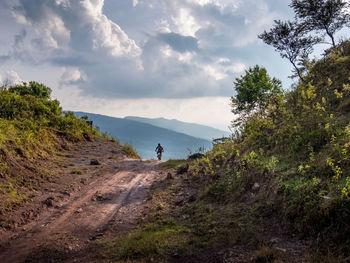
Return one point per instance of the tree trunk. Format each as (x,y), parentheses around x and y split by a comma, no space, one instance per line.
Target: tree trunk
(297,70)
(331,36)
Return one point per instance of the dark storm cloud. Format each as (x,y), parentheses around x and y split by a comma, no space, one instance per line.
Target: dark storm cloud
(149,50)
(178,42)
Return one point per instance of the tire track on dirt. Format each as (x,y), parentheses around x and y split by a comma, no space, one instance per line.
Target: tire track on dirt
(89,212)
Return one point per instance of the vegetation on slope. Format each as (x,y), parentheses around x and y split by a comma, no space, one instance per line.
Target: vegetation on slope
(32,127)
(288,164)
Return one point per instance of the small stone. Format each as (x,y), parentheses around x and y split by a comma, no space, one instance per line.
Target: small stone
(192,198)
(79,210)
(65,193)
(95,162)
(274,240)
(49,202)
(179,202)
(256,187)
(281,249)
(182,169)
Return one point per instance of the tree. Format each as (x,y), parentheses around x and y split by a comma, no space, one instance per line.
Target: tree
(322,15)
(289,40)
(33,88)
(254,92)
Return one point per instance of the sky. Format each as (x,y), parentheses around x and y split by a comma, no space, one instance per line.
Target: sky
(151,58)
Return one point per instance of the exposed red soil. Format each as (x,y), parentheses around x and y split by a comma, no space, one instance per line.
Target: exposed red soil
(69,213)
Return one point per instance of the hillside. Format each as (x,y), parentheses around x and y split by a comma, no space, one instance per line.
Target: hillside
(145,137)
(37,140)
(277,192)
(192,129)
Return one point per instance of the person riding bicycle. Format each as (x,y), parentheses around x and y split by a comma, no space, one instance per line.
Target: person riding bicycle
(159,150)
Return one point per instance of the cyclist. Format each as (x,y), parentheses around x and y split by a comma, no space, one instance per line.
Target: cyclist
(159,150)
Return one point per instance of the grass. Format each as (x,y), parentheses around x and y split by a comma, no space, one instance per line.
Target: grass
(130,152)
(76,171)
(172,163)
(154,241)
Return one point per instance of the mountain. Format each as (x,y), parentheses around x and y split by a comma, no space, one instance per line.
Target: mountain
(192,129)
(145,137)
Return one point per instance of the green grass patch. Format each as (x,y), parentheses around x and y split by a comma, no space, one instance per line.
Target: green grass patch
(130,152)
(154,241)
(172,163)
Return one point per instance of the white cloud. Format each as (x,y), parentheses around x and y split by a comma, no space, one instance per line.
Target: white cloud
(106,33)
(56,21)
(182,54)
(187,24)
(72,75)
(9,78)
(135,2)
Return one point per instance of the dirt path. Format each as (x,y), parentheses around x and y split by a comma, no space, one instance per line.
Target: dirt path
(110,199)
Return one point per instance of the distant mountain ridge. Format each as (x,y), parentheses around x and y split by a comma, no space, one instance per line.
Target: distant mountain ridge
(191,129)
(145,137)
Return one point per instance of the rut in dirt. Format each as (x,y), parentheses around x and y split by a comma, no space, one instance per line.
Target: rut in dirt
(115,198)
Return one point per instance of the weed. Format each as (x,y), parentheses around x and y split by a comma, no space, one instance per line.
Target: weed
(172,164)
(129,151)
(76,171)
(154,241)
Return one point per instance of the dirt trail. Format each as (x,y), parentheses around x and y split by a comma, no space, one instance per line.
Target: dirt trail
(110,199)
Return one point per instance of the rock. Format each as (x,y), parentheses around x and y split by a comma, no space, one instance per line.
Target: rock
(169,176)
(281,249)
(88,137)
(99,197)
(65,193)
(79,210)
(95,162)
(182,169)
(274,240)
(192,198)
(49,202)
(179,201)
(256,187)
(58,206)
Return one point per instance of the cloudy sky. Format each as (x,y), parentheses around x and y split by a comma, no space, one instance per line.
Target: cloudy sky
(170,58)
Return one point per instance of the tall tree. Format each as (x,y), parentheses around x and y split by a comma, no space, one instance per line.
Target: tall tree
(322,15)
(254,92)
(288,38)
(32,88)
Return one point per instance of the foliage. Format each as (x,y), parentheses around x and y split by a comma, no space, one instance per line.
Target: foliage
(291,162)
(33,88)
(155,241)
(172,163)
(32,126)
(130,152)
(288,38)
(29,107)
(322,15)
(295,40)
(254,92)
(304,147)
